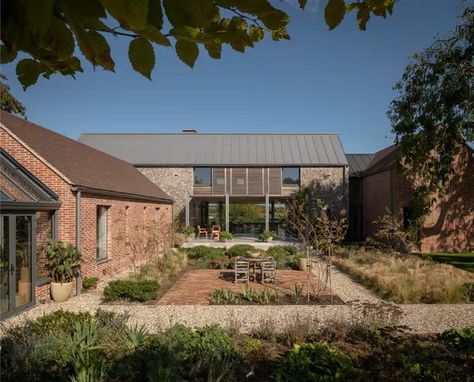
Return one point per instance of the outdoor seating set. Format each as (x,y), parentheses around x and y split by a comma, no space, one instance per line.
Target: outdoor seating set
(255,267)
(214,232)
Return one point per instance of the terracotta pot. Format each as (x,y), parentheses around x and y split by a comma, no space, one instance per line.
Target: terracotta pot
(303,263)
(61,292)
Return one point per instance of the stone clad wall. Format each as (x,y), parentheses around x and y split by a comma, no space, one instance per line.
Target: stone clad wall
(330,184)
(175,181)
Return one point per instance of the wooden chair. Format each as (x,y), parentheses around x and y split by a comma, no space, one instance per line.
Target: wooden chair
(241,271)
(215,232)
(268,271)
(201,231)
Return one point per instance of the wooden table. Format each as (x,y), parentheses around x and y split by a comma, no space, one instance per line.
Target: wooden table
(253,262)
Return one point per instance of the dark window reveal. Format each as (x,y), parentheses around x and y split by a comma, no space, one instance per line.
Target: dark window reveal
(202,176)
(291,176)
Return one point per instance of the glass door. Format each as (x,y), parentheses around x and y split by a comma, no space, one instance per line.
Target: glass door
(17,255)
(4,265)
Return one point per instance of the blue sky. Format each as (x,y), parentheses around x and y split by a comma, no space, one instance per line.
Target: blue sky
(338,81)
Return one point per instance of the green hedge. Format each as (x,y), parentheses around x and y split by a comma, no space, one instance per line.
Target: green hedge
(203,252)
(240,250)
(131,290)
(285,256)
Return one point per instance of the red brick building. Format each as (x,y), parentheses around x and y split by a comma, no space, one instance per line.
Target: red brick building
(378,184)
(53,186)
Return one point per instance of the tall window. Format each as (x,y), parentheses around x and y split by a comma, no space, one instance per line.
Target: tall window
(290,176)
(202,176)
(101,239)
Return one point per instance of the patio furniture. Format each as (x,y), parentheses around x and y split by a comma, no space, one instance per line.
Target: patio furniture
(268,271)
(201,231)
(215,232)
(254,264)
(241,271)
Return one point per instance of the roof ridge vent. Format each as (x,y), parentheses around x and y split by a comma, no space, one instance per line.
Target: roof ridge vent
(189,131)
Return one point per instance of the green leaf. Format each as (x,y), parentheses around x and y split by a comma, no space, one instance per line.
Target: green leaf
(6,55)
(95,48)
(142,56)
(28,71)
(363,16)
(187,52)
(155,14)
(334,13)
(131,14)
(193,13)
(214,49)
(256,33)
(153,34)
(39,15)
(59,39)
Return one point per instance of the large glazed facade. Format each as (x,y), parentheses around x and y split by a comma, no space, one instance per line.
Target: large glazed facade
(54,187)
(239,181)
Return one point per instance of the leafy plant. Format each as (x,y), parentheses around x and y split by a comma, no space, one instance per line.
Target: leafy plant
(267,235)
(188,231)
(223,296)
(297,292)
(89,282)
(226,236)
(248,293)
(131,290)
(285,256)
(204,252)
(314,362)
(460,339)
(240,250)
(64,261)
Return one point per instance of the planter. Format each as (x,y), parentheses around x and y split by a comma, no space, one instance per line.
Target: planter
(60,292)
(269,240)
(303,264)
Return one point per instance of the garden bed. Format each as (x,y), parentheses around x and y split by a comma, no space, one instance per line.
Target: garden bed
(404,278)
(102,346)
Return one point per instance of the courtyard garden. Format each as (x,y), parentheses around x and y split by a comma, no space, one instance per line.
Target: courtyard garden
(100,346)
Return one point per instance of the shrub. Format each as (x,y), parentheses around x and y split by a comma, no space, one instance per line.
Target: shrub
(314,362)
(89,282)
(131,290)
(286,256)
(459,339)
(267,235)
(204,353)
(226,235)
(188,231)
(203,252)
(240,250)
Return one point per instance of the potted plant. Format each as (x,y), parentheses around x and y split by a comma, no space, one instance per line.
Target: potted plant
(64,262)
(225,236)
(89,283)
(188,233)
(267,236)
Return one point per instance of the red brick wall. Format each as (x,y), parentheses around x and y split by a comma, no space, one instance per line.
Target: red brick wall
(450,225)
(139,213)
(127,221)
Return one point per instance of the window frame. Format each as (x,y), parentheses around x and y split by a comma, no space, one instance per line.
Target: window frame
(283,177)
(102,219)
(210,176)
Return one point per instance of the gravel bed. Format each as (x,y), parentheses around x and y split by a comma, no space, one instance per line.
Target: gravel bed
(349,290)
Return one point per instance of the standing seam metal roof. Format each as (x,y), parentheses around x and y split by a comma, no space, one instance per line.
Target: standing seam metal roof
(198,149)
(358,163)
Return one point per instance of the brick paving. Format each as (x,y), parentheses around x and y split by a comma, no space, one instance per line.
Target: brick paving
(194,286)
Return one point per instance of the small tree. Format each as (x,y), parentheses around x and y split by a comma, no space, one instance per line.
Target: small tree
(391,234)
(144,241)
(318,232)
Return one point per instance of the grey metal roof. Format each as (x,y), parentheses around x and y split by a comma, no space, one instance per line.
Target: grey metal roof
(358,163)
(209,149)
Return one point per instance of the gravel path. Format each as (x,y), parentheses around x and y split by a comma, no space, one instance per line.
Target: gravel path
(361,306)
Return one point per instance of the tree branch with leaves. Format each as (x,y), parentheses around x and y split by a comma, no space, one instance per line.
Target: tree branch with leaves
(48,31)
(434,112)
